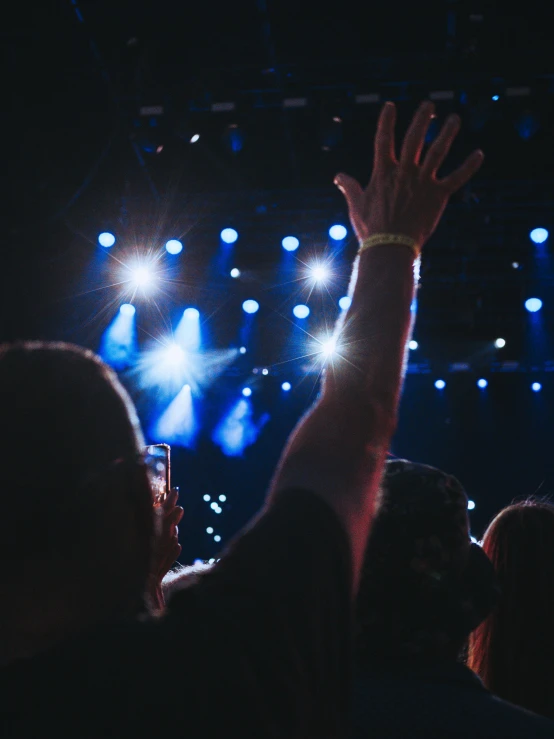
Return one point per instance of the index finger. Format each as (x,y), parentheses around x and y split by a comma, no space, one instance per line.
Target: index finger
(384,137)
(415,136)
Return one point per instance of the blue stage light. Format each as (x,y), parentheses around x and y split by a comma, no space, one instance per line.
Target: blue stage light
(209,530)
(250,306)
(247,392)
(413,345)
(533,304)
(194,138)
(538,235)
(118,346)
(229,235)
(301,311)
(500,343)
(222,498)
(482,383)
(290,243)
(242,350)
(235,273)
(217,538)
(345,302)
(536,387)
(106,239)
(127,309)
(440,384)
(177,425)
(470,505)
(238,428)
(319,272)
(496,98)
(338,232)
(192,314)
(286,386)
(174,246)
(207,498)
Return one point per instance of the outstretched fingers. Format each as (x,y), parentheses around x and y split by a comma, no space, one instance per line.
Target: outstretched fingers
(464,173)
(384,137)
(438,151)
(415,136)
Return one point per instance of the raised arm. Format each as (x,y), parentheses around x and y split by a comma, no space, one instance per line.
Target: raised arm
(338,449)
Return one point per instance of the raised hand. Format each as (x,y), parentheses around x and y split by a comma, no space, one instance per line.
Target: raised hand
(166,547)
(404,196)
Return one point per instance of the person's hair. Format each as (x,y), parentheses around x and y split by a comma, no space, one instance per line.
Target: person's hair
(76,524)
(513,650)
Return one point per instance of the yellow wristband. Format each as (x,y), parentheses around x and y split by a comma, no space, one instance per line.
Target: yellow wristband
(391,239)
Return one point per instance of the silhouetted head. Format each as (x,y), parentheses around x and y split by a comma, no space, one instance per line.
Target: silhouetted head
(425,586)
(76,526)
(513,650)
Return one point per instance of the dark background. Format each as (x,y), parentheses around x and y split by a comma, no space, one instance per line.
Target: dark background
(78,157)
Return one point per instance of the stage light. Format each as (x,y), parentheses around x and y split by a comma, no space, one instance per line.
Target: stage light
(209,530)
(127,309)
(118,346)
(238,429)
(213,506)
(345,302)
(337,232)
(191,314)
(207,498)
(235,273)
(500,343)
(319,272)
(242,350)
(229,235)
(470,505)
(173,354)
(496,98)
(247,392)
(413,345)
(217,538)
(301,311)
(142,277)
(177,425)
(218,510)
(194,138)
(286,386)
(222,498)
(482,383)
(174,246)
(328,346)
(515,265)
(250,306)
(536,387)
(440,384)
(265,371)
(290,243)
(533,304)
(106,239)
(211,561)
(538,235)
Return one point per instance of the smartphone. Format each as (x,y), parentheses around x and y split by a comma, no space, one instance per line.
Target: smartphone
(159,470)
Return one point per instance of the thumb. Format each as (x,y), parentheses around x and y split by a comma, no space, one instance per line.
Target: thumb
(352,191)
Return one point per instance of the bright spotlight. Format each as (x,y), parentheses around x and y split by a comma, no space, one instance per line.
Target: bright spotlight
(194,138)
(496,98)
(214,506)
(235,273)
(301,311)
(290,243)
(319,272)
(191,314)
(141,276)
(174,246)
(482,383)
(536,387)
(217,538)
(222,498)
(345,303)
(127,309)
(209,530)
(207,498)
(440,384)
(470,505)
(328,346)
(247,392)
(500,343)
(106,239)
(533,304)
(229,235)
(250,306)
(413,345)
(337,232)
(265,372)
(538,235)
(286,386)
(242,350)
(515,265)
(173,354)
